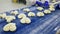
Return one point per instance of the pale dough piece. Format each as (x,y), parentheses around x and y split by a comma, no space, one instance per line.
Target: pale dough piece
(47,11)
(13,27)
(14,12)
(39,8)
(40,14)
(25,20)
(31,14)
(10,18)
(21,15)
(26,10)
(6,27)
(3,15)
(52,9)
(10,27)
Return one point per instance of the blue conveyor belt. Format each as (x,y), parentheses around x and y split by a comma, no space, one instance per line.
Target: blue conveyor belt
(39,25)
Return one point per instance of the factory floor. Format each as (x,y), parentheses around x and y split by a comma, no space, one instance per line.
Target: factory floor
(7,5)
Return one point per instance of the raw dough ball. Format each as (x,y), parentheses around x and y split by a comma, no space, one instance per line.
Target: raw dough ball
(28,20)
(10,27)
(25,20)
(14,12)
(21,15)
(3,15)
(6,27)
(39,8)
(58,31)
(40,14)
(47,11)
(52,9)
(10,18)
(26,10)
(31,14)
(13,27)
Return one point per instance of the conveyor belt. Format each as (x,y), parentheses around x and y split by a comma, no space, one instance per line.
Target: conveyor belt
(39,25)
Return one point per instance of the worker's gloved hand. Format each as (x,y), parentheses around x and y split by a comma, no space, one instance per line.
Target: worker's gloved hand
(46,4)
(39,3)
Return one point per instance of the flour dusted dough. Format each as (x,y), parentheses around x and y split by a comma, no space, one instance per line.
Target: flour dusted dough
(14,12)
(52,9)
(6,27)
(26,10)
(3,15)
(39,8)
(47,11)
(31,14)
(10,18)
(25,20)
(21,15)
(10,27)
(40,14)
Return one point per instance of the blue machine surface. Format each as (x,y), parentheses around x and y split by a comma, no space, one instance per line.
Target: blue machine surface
(39,25)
